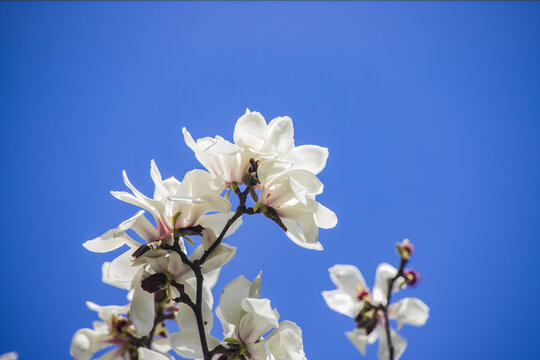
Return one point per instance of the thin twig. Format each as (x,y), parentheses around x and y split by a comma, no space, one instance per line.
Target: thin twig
(385,308)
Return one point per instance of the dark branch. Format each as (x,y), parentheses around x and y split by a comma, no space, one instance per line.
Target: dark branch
(391,283)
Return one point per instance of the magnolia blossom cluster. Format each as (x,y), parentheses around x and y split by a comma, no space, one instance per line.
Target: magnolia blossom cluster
(173,257)
(372,310)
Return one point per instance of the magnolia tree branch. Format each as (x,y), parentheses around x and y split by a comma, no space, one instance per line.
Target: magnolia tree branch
(196,267)
(391,283)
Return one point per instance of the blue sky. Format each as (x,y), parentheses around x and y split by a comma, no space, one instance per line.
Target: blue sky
(430,112)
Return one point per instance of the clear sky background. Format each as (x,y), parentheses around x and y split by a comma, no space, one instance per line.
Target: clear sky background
(431,113)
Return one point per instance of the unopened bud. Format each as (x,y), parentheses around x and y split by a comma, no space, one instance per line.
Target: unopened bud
(411,277)
(405,249)
(155,283)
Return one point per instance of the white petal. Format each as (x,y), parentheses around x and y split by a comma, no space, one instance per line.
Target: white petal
(359,338)
(228,328)
(105,278)
(211,278)
(348,278)
(286,342)
(217,222)
(341,302)
(286,193)
(308,157)
(147,354)
(160,191)
(250,131)
(231,297)
(280,137)
(140,224)
(120,270)
(9,356)
(307,180)
(398,343)
(142,311)
(383,274)
(411,311)
(255,287)
(301,227)
(324,217)
(107,242)
(187,321)
(162,345)
(257,321)
(86,342)
(187,344)
(269,170)
(106,312)
(217,258)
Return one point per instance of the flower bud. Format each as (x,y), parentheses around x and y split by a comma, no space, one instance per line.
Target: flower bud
(155,283)
(405,249)
(411,277)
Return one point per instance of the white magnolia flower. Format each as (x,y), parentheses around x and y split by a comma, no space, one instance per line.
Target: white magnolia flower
(246,319)
(114,330)
(186,202)
(160,267)
(287,174)
(9,356)
(254,139)
(291,193)
(349,297)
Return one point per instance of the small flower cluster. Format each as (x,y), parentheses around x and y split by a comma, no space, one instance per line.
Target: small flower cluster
(372,310)
(170,277)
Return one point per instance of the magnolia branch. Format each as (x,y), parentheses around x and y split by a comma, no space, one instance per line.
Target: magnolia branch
(384,308)
(197,270)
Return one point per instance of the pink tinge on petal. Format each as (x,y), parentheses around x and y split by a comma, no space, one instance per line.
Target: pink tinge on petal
(163,228)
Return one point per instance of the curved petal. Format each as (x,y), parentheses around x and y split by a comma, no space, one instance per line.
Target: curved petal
(280,137)
(187,344)
(348,279)
(120,270)
(307,180)
(411,311)
(285,342)
(255,287)
(147,354)
(324,217)
(140,224)
(342,302)
(231,297)
(308,157)
(257,321)
(250,131)
(269,170)
(142,311)
(114,282)
(86,342)
(398,343)
(301,227)
(216,222)
(360,339)
(108,242)
(187,321)
(383,274)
